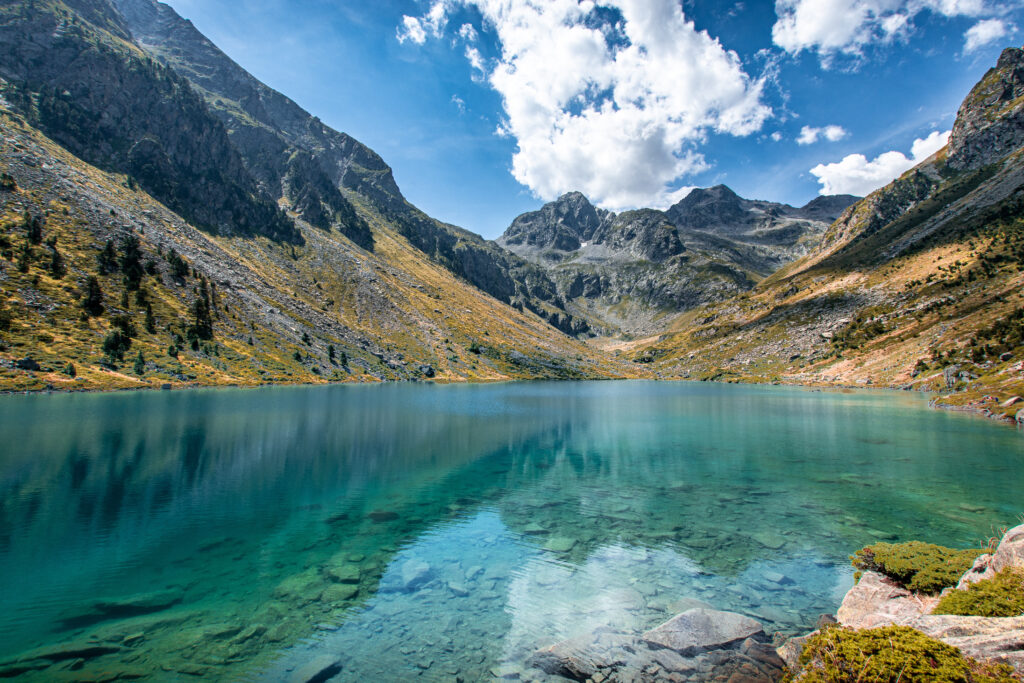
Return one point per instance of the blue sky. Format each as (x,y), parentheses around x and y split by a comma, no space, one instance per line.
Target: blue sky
(484,108)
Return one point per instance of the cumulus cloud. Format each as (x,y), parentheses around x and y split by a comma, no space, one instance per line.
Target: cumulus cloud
(612,100)
(983,33)
(809,135)
(846,26)
(856,175)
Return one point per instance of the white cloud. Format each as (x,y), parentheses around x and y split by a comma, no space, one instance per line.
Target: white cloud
(614,108)
(846,26)
(412,29)
(459,103)
(468,33)
(809,135)
(983,33)
(856,175)
(476,61)
(776,136)
(432,23)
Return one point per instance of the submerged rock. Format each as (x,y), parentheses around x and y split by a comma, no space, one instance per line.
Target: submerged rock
(346,573)
(415,573)
(320,669)
(699,630)
(129,606)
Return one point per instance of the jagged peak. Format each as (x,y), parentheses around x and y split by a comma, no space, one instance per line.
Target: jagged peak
(990,122)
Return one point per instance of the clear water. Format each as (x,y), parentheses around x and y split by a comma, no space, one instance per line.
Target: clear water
(435,532)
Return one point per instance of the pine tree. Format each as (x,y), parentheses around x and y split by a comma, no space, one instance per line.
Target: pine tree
(34,228)
(131,262)
(202,325)
(92,298)
(150,320)
(139,368)
(107,259)
(57,268)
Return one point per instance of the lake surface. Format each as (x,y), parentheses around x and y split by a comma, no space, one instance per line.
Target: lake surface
(435,532)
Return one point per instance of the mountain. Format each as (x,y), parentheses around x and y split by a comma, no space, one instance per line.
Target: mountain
(919,285)
(167,219)
(633,271)
(310,167)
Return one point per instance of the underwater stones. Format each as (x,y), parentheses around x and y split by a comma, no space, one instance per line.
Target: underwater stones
(382,516)
(67,651)
(534,529)
(339,592)
(303,587)
(318,670)
(777,578)
(128,606)
(345,573)
(685,604)
(698,630)
(560,544)
(415,573)
(769,539)
(458,590)
(473,572)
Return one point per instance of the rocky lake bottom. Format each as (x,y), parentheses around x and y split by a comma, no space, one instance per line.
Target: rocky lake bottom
(448,532)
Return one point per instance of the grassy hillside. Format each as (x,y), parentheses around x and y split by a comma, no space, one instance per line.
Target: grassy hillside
(931,299)
(182,307)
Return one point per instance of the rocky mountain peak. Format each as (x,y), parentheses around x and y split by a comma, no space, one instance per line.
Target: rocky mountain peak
(705,208)
(990,123)
(563,224)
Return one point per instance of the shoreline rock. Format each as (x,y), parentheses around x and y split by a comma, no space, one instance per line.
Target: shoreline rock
(877,601)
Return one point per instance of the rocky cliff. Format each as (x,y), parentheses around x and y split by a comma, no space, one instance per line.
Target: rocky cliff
(633,271)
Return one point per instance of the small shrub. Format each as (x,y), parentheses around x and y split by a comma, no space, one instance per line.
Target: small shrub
(888,655)
(172,351)
(70,370)
(1000,596)
(915,565)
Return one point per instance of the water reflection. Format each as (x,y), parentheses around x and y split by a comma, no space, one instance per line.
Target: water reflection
(229,527)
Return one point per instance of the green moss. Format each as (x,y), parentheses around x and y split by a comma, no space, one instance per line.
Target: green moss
(1000,596)
(888,655)
(921,567)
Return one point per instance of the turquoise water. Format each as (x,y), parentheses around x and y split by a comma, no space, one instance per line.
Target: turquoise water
(443,532)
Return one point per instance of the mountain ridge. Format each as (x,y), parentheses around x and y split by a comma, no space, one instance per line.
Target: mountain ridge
(710,245)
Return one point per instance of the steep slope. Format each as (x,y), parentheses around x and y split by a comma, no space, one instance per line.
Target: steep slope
(635,271)
(918,285)
(141,247)
(311,167)
(73,70)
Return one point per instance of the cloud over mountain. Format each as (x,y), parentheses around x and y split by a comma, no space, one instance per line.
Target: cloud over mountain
(613,101)
(857,176)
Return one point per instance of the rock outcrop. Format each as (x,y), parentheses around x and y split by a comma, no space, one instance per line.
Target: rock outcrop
(877,601)
(697,645)
(990,123)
